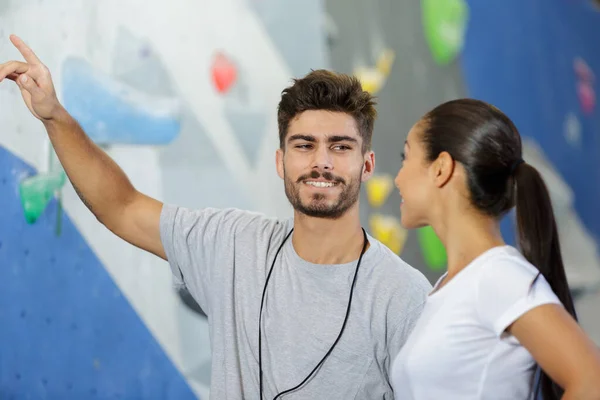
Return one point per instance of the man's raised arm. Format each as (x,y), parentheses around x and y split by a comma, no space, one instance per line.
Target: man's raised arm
(98,180)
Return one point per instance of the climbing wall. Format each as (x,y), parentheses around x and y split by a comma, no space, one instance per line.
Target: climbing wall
(544,65)
(542,69)
(183,96)
(67,330)
(396,49)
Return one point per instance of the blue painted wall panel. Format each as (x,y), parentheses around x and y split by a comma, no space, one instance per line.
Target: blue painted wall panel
(519,56)
(66,331)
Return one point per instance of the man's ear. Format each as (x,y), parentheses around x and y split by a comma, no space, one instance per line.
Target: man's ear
(279,153)
(368,166)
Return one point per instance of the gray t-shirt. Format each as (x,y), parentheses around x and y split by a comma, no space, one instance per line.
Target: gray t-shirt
(223,257)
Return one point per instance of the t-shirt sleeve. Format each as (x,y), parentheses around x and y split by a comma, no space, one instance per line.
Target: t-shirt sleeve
(194,240)
(505,293)
(413,304)
(400,334)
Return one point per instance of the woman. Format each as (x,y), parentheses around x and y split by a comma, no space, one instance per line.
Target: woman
(497,313)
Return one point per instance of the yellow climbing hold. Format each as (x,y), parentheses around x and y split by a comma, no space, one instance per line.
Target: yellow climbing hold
(373,78)
(370,78)
(385,61)
(387,230)
(378,189)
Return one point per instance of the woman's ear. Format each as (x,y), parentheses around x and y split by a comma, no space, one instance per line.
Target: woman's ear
(442,168)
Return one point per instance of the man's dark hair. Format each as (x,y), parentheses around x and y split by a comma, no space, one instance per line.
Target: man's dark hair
(330,91)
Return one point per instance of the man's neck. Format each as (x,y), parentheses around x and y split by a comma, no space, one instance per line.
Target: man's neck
(328,241)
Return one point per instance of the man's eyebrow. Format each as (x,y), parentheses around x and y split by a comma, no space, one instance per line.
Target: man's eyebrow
(342,138)
(330,139)
(300,136)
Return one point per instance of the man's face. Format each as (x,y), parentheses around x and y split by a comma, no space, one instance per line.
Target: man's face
(322,165)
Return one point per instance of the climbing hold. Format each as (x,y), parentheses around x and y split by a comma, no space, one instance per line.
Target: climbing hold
(373,78)
(385,61)
(36,192)
(587,97)
(445,23)
(583,70)
(378,189)
(113,112)
(387,230)
(572,130)
(224,72)
(432,248)
(370,78)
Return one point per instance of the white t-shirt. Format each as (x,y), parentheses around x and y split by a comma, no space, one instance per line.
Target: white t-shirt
(459,348)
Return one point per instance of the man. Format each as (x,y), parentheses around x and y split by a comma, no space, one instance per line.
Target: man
(313,307)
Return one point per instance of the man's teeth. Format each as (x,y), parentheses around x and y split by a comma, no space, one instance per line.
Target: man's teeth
(320,184)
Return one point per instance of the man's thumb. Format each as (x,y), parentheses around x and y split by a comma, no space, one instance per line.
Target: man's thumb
(28,84)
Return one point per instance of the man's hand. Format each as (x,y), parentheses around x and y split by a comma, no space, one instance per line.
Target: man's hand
(98,180)
(34,80)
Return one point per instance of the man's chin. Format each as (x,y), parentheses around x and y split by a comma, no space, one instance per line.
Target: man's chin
(320,210)
(322,214)
(320,204)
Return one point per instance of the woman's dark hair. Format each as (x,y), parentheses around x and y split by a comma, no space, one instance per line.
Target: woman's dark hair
(488,145)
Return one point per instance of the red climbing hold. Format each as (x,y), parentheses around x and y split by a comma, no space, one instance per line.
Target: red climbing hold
(224,73)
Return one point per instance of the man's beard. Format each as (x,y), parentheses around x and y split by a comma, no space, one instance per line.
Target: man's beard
(318,207)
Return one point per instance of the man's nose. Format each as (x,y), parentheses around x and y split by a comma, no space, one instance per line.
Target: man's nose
(322,159)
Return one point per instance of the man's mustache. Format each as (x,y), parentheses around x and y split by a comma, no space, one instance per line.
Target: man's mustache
(326,175)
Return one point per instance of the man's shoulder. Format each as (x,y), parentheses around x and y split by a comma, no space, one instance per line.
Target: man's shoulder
(398,291)
(392,271)
(391,263)
(225,213)
(241,221)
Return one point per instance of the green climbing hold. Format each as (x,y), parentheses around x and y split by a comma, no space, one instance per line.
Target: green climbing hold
(445,24)
(37,191)
(432,249)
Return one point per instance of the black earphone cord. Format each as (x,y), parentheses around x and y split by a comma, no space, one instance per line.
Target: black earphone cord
(365,242)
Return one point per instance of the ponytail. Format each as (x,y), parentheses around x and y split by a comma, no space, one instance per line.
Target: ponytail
(538,241)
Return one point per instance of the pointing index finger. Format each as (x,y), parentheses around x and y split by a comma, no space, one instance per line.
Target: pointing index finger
(25,51)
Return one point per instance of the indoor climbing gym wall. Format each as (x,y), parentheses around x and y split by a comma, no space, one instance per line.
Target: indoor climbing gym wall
(183,95)
(542,69)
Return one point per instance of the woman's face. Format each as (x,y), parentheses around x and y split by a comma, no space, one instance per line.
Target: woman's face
(414,182)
